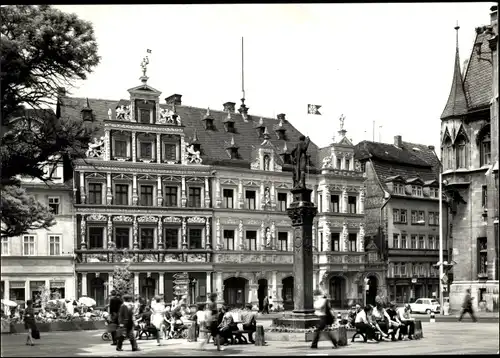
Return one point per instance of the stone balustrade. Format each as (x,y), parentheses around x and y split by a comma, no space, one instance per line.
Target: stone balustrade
(143,256)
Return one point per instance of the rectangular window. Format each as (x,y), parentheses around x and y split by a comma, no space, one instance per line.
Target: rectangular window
(250,199)
(416,269)
(404,216)
(95,193)
(400,189)
(395,216)
(403,242)
(171,238)
(96,238)
(335,241)
(434,192)
(195,239)
(282,201)
(28,245)
(170,196)
(229,239)
(169,152)
(414,217)
(421,217)
(482,246)
(120,149)
(194,197)
(146,149)
(228,196)
(145,115)
(321,242)
(251,240)
(335,203)
(395,241)
(484,196)
(351,203)
(320,200)
(352,242)
(431,218)
(421,242)
(54,245)
(413,242)
(461,155)
(122,237)
(432,242)
(121,194)
(347,164)
(5,246)
(54,203)
(282,241)
(485,150)
(147,238)
(146,195)
(403,269)
(339,163)
(436,218)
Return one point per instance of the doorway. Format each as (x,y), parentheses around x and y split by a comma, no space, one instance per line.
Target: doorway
(262,293)
(287,293)
(371,294)
(337,291)
(235,292)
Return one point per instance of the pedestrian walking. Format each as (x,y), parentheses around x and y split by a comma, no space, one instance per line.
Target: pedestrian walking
(115,302)
(324,312)
(158,318)
(29,323)
(467,307)
(212,323)
(265,308)
(126,324)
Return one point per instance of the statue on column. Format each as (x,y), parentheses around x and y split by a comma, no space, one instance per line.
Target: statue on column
(299,162)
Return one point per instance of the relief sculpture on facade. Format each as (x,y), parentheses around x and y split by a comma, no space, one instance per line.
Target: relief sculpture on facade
(95,149)
(123,113)
(167,116)
(193,156)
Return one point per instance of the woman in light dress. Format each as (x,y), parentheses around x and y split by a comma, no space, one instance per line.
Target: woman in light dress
(158,317)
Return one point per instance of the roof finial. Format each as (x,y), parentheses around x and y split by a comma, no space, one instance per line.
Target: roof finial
(195,136)
(144,65)
(88,105)
(456,29)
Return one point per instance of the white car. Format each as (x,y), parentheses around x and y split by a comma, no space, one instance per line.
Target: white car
(425,305)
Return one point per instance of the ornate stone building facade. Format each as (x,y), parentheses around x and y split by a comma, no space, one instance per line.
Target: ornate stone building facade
(171,188)
(469,150)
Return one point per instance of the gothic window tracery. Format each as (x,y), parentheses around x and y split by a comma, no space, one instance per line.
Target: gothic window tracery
(461,147)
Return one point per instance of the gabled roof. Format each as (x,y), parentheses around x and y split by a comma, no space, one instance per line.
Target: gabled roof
(387,152)
(246,136)
(394,178)
(415,180)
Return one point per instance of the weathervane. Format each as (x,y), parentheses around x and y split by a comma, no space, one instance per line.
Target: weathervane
(342,119)
(144,65)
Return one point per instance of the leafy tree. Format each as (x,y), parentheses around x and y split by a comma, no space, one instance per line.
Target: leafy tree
(42,50)
(122,280)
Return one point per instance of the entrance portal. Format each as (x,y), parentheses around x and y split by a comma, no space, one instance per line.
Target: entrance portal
(235,292)
(371,294)
(287,293)
(261,293)
(337,291)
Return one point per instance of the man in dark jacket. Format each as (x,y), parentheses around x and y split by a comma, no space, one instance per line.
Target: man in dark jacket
(115,302)
(126,323)
(467,307)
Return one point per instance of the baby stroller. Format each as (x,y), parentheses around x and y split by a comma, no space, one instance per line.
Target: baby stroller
(180,330)
(106,336)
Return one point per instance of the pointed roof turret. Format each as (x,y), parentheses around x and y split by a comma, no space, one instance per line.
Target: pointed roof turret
(195,138)
(457,102)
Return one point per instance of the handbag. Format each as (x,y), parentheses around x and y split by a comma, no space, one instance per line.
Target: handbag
(35,333)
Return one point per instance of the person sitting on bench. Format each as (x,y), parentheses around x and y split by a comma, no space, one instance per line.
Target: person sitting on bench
(249,319)
(382,319)
(408,323)
(363,323)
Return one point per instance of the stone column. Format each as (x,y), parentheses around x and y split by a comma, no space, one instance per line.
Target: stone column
(327,245)
(241,201)
(109,192)
(361,237)
(83,191)
(135,196)
(218,199)
(207,193)
(161,283)
(208,284)
(344,238)
(6,289)
(183,192)
(262,198)
(84,284)
(314,195)
(253,298)
(109,231)
(315,279)
(133,144)
(274,199)
(361,202)
(314,237)
(344,200)
(240,243)
(208,237)
(159,191)
(326,199)
(135,233)
(183,151)
(219,287)
(274,291)
(159,234)
(184,233)
(83,232)
(107,144)
(27,288)
(158,147)
(302,213)
(136,283)
(110,281)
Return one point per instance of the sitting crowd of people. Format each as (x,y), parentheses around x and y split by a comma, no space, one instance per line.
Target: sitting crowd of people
(386,323)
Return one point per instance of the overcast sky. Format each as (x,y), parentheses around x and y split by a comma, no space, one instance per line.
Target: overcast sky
(388,63)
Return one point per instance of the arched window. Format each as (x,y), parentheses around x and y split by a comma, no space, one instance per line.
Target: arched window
(461,152)
(485,149)
(448,154)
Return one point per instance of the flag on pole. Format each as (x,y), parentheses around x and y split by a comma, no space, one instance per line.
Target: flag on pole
(148,50)
(313,109)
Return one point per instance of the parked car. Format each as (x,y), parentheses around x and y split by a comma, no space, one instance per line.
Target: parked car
(425,305)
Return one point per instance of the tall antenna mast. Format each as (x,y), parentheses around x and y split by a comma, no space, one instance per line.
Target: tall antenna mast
(373,133)
(380,134)
(242,70)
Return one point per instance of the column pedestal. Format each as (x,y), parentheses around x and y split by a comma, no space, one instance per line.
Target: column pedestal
(84,284)
(302,212)
(161,283)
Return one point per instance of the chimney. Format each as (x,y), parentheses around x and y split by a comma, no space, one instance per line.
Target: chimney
(61,92)
(281,117)
(229,107)
(398,141)
(174,99)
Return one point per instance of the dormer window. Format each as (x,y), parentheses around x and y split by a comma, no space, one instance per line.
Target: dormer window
(229,127)
(87,115)
(266,162)
(171,149)
(232,149)
(434,192)
(209,121)
(145,116)
(261,128)
(120,145)
(399,188)
(416,190)
(145,111)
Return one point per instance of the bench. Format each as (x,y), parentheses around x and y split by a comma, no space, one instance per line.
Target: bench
(240,338)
